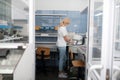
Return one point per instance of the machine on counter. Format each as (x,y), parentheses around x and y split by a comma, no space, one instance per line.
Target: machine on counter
(77,39)
(8,33)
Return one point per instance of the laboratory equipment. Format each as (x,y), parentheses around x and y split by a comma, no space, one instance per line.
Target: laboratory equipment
(78,39)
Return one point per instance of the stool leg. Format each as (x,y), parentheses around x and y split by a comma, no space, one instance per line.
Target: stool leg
(81,73)
(43,63)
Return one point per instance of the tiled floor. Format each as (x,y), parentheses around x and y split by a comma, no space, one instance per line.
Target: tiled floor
(52,74)
(51,70)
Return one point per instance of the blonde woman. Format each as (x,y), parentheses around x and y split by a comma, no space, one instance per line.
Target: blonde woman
(62,43)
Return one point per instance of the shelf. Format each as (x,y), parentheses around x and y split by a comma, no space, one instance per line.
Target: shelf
(50,14)
(45,42)
(51,31)
(39,33)
(46,45)
(2,26)
(46,36)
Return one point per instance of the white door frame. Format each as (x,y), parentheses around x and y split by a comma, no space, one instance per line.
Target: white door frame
(107,39)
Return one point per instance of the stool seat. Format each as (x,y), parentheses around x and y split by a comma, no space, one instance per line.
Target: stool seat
(46,52)
(78,63)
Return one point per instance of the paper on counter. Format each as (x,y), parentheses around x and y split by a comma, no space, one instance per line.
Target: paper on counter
(44,34)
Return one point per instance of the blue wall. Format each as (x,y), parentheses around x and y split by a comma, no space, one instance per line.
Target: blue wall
(78,20)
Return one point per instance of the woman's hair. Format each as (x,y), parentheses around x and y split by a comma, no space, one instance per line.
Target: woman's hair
(61,24)
(65,21)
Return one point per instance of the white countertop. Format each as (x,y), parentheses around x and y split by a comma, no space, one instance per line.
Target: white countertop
(8,64)
(78,49)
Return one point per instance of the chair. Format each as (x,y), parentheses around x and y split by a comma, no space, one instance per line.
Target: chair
(42,54)
(80,65)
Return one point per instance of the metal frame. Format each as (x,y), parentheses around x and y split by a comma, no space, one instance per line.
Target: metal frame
(107,39)
(90,33)
(106,65)
(115,64)
(92,73)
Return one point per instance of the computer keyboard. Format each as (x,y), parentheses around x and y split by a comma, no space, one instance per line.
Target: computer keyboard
(6,77)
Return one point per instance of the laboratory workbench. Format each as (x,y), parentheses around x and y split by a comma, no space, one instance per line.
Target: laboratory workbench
(78,49)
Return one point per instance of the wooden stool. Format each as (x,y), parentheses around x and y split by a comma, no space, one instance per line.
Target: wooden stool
(81,68)
(43,53)
(78,63)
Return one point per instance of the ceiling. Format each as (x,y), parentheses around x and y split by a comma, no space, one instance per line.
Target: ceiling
(74,5)
(20,7)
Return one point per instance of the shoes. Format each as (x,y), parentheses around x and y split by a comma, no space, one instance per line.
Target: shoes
(62,75)
(65,73)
